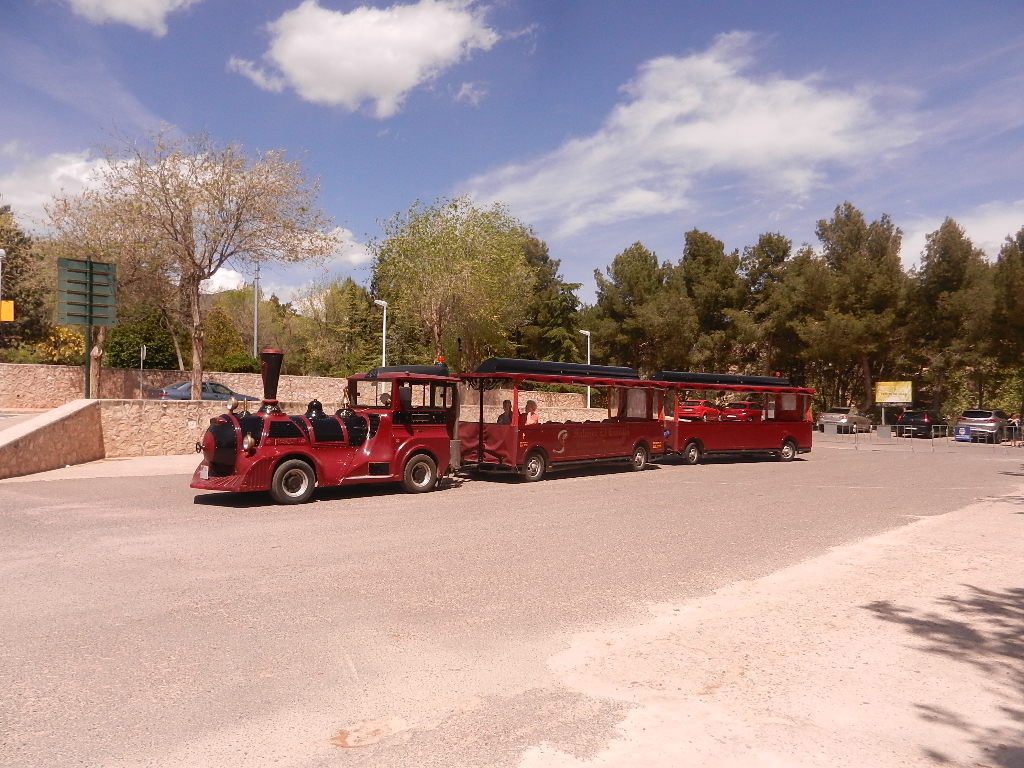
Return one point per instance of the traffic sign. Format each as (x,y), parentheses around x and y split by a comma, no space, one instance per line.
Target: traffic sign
(86,292)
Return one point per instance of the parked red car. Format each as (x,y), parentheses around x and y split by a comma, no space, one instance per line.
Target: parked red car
(741,410)
(697,410)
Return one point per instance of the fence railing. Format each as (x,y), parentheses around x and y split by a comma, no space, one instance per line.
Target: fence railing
(940,437)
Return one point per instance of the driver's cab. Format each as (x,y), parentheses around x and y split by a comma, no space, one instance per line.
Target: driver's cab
(410,397)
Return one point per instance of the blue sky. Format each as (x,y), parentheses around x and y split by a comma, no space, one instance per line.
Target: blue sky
(599,123)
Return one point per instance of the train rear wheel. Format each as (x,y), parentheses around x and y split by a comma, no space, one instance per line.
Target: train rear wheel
(639,458)
(420,474)
(534,467)
(692,453)
(788,451)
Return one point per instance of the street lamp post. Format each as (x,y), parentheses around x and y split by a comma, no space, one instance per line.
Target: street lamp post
(383,333)
(587,334)
(256,312)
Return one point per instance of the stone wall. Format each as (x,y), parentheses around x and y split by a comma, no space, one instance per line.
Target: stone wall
(47,386)
(70,434)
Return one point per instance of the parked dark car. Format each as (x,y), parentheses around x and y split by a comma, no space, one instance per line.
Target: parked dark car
(920,423)
(182,390)
(845,419)
(985,424)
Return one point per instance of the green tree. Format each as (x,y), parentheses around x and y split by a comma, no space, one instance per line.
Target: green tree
(458,273)
(712,281)
(187,207)
(26,282)
(762,267)
(795,310)
(131,332)
(221,340)
(867,306)
(341,330)
(642,316)
(1007,338)
(950,306)
(549,331)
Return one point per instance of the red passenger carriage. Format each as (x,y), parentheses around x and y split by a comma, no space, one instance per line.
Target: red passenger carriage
(631,432)
(783,427)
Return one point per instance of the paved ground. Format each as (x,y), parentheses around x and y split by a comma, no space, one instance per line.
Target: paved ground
(862,607)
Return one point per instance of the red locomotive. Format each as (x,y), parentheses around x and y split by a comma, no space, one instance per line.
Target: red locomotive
(398,425)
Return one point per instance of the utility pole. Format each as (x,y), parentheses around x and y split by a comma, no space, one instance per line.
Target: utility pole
(587,334)
(256,312)
(384,333)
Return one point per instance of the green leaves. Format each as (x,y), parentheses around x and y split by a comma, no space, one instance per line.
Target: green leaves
(459,273)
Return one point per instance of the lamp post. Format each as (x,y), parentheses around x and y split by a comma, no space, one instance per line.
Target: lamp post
(3,253)
(587,334)
(256,312)
(383,333)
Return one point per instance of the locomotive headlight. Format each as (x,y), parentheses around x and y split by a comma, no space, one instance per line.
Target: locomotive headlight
(232,404)
(248,444)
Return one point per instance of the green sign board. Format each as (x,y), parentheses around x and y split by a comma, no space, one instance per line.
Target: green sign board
(86,292)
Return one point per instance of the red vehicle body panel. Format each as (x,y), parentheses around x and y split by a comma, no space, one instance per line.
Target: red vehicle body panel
(506,447)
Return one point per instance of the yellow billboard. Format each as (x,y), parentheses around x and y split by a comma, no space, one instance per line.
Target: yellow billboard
(894,392)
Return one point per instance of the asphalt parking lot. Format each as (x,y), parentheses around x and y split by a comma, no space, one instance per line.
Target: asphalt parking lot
(146,624)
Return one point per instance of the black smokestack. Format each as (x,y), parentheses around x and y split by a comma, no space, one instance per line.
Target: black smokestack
(270,368)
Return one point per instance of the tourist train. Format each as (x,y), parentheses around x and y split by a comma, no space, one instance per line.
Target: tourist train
(402,424)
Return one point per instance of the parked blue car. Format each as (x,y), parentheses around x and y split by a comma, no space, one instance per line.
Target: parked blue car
(182,390)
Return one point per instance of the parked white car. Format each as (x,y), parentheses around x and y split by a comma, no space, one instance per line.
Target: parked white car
(845,419)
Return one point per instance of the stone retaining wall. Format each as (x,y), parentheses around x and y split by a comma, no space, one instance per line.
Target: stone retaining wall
(70,434)
(47,386)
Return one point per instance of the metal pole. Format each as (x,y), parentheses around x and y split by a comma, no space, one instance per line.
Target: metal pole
(3,253)
(88,326)
(256,312)
(384,333)
(587,334)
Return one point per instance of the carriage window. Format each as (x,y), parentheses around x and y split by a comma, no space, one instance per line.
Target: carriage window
(374,394)
(636,404)
(442,396)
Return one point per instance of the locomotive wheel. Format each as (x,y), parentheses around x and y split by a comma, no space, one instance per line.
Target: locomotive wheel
(420,474)
(639,458)
(293,483)
(534,467)
(692,453)
(788,452)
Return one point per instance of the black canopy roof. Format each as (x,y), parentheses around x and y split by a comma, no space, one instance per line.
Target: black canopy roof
(438,369)
(684,377)
(509,365)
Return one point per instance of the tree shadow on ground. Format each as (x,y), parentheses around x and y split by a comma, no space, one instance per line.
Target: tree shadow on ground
(985,629)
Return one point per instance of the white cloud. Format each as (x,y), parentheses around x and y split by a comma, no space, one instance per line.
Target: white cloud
(698,119)
(471,93)
(267,82)
(224,279)
(33,181)
(146,15)
(368,55)
(350,252)
(986,225)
